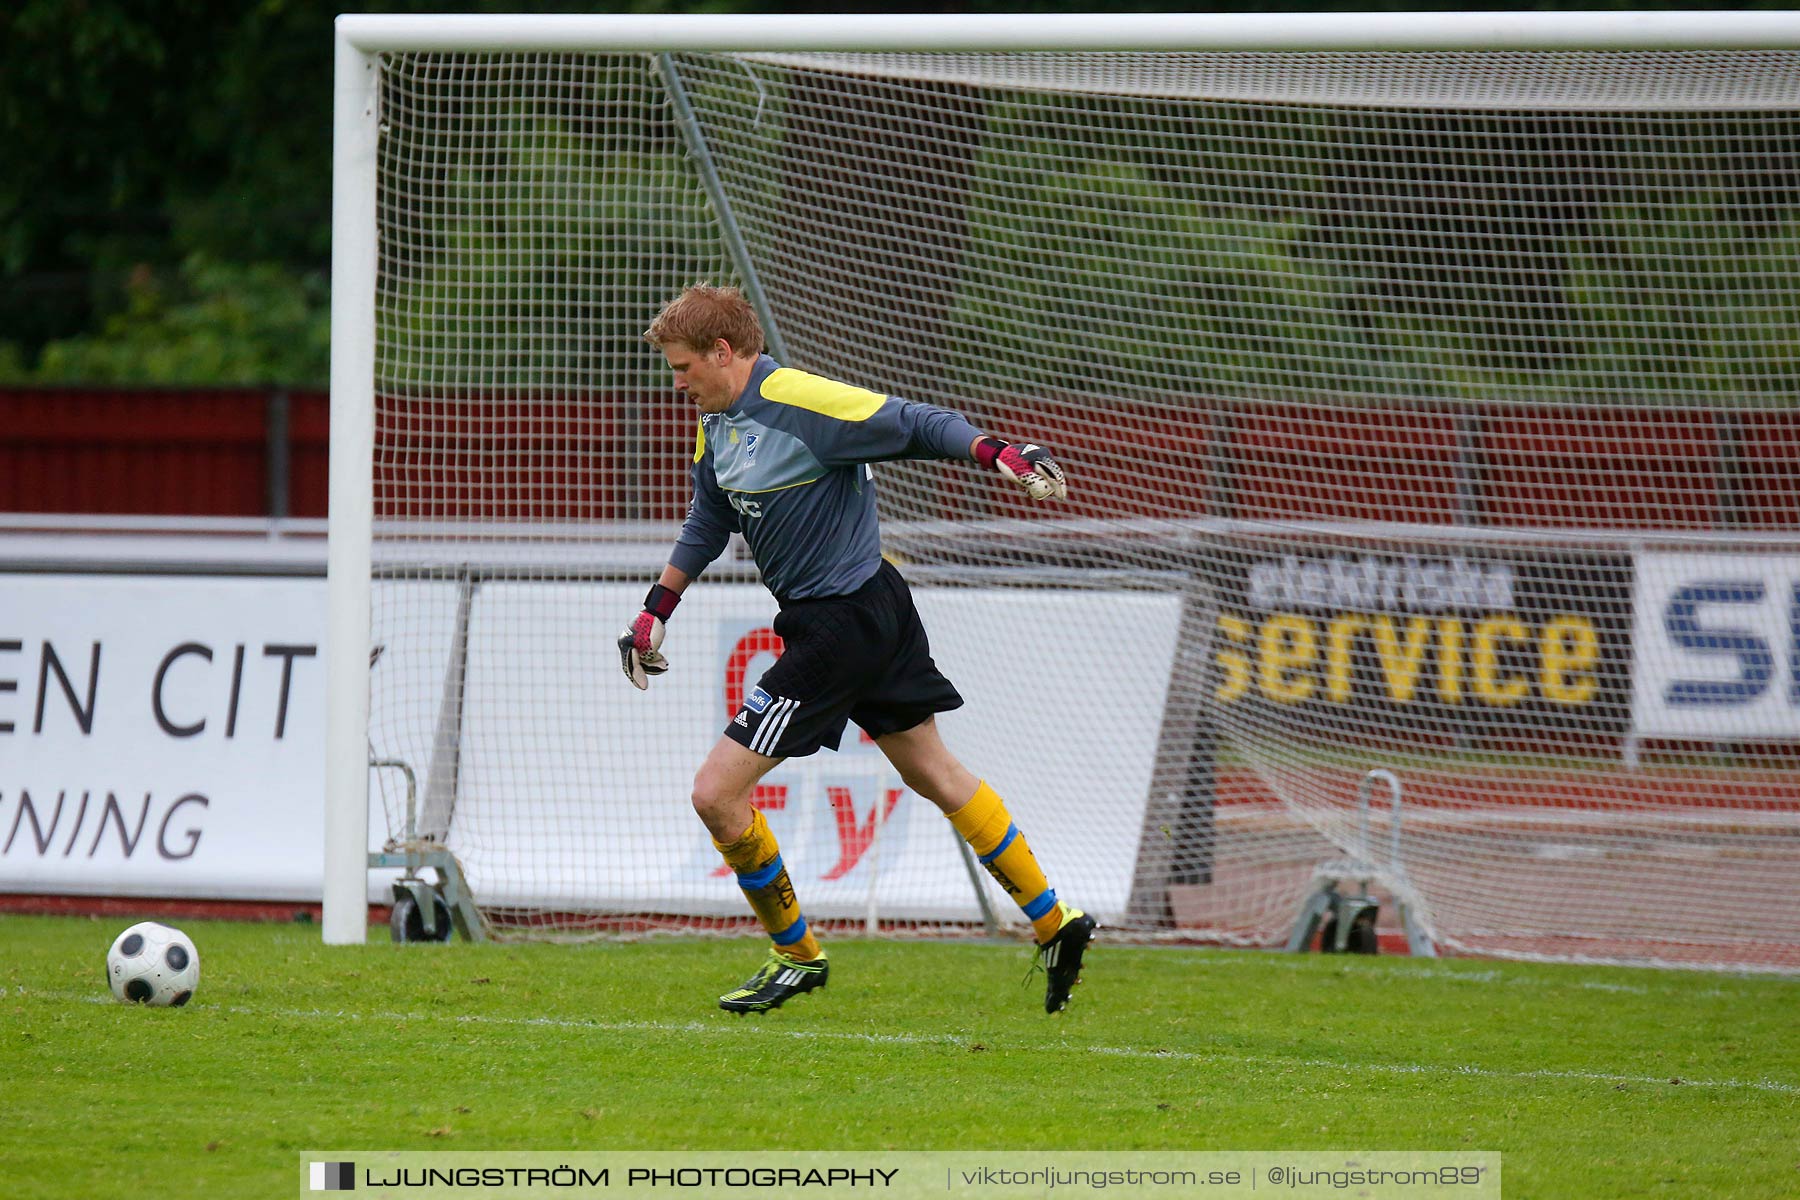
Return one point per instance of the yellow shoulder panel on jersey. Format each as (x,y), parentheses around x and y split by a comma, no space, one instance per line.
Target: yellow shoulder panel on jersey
(699,439)
(815,393)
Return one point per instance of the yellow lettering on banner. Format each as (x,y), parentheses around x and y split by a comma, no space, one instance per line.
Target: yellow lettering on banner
(1502,691)
(1287,644)
(1340,646)
(1236,664)
(1571,647)
(1472,658)
(1450,660)
(1401,667)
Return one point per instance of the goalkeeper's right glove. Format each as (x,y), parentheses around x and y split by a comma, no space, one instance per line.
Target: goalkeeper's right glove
(1031,467)
(639,653)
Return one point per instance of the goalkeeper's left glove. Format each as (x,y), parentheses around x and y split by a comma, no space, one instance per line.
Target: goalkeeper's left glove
(1029,466)
(639,646)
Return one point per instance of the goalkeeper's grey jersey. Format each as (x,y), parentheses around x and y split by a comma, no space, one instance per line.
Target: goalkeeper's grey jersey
(787,465)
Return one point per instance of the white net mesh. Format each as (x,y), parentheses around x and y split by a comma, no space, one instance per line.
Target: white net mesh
(1428,412)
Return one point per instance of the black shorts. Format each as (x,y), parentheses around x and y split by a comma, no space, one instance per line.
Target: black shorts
(861,657)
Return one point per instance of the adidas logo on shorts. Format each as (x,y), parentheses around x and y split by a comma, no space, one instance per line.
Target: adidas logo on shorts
(775,715)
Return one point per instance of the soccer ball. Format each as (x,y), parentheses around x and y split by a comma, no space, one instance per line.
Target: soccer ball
(153,964)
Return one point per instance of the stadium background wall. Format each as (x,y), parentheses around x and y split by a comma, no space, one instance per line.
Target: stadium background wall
(251,452)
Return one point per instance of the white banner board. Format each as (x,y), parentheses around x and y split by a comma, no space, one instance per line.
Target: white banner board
(1716,646)
(574,787)
(163,735)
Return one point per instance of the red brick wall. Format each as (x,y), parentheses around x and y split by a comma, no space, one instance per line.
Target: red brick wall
(205,452)
(154,452)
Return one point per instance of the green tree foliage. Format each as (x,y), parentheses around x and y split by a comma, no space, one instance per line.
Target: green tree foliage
(142,137)
(1686,300)
(529,233)
(1142,284)
(138,136)
(1645,270)
(165,216)
(212,322)
(90,103)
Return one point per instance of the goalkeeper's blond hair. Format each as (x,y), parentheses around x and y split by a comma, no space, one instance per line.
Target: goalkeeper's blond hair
(703,314)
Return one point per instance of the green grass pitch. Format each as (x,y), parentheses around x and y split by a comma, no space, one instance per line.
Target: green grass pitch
(1593,1082)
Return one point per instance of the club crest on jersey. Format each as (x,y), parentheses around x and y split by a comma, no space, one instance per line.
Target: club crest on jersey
(757,701)
(750,440)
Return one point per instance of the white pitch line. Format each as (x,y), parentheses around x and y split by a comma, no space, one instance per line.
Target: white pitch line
(1761,1085)
(1402,973)
(740,1028)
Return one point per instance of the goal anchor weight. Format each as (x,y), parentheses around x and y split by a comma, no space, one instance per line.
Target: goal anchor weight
(1349,920)
(425,911)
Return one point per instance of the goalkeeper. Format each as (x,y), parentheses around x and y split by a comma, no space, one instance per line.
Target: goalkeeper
(782,457)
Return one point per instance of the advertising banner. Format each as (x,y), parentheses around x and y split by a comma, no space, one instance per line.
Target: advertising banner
(1474,643)
(163,736)
(575,787)
(1717,652)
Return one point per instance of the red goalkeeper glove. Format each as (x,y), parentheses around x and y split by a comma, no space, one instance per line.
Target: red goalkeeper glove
(639,653)
(1029,466)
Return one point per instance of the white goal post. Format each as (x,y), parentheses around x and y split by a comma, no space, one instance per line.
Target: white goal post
(1426,382)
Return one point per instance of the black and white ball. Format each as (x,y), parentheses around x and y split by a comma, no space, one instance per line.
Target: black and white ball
(153,964)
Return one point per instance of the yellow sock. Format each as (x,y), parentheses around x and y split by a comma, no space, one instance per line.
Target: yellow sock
(760,872)
(1003,850)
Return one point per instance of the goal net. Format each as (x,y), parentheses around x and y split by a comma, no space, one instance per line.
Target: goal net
(1433,412)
